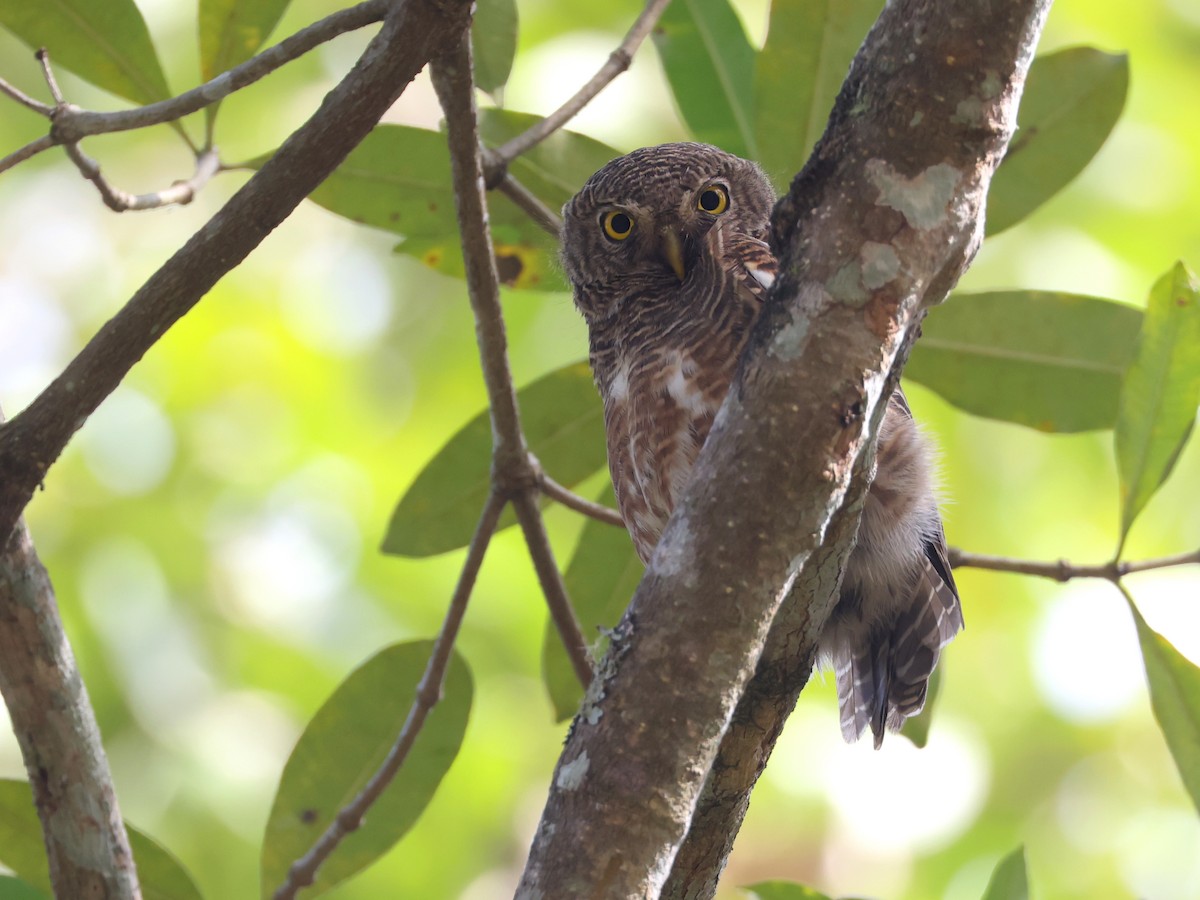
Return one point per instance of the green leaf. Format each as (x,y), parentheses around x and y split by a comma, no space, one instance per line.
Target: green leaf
(710,66)
(564,425)
(232,31)
(1071,102)
(798,75)
(105,43)
(1175,698)
(1161,392)
(15,889)
(600,580)
(21,849)
(1009,881)
(399,180)
(916,728)
(344,745)
(494,40)
(1051,361)
(553,171)
(783,890)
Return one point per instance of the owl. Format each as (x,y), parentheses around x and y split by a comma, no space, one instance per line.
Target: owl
(666,251)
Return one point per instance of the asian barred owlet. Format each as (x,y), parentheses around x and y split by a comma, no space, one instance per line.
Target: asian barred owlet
(666,252)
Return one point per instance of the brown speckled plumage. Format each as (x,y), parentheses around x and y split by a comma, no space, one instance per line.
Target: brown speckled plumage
(669,303)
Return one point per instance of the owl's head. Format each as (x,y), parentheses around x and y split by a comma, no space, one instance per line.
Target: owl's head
(651,220)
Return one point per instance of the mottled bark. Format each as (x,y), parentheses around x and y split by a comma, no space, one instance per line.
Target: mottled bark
(879,225)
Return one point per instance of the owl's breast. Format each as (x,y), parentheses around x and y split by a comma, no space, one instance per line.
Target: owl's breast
(658,409)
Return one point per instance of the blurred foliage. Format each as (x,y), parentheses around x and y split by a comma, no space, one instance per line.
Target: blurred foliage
(211,532)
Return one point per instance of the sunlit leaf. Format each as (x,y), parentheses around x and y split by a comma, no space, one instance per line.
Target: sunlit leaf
(1161,391)
(710,66)
(563,422)
(105,43)
(341,749)
(231,31)
(399,180)
(15,889)
(553,171)
(916,728)
(782,890)
(22,850)
(1051,361)
(1009,880)
(799,73)
(1071,102)
(494,40)
(600,579)
(1175,698)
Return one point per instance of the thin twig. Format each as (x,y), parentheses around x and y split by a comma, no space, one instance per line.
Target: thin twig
(550,579)
(181,192)
(71,124)
(43,57)
(571,500)
(1062,570)
(541,214)
(33,148)
(617,62)
(429,691)
(25,100)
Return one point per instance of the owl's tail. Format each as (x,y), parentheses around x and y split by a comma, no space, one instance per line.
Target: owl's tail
(884,681)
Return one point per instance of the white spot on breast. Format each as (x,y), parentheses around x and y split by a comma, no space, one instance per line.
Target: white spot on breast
(762,276)
(683,390)
(618,388)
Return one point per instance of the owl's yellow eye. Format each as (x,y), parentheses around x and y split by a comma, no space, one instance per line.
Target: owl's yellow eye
(617,225)
(714,199)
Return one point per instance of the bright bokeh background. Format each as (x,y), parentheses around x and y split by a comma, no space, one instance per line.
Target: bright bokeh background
(212,531)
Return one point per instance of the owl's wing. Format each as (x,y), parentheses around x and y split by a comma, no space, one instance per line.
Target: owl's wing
(753,265)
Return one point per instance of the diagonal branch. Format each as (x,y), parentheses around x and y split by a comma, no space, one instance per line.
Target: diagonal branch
(617,62)
(429,691)
(53,721)
(33,440)
(878,227)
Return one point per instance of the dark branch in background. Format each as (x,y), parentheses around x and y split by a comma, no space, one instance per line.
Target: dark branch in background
(879,226)
(33,440)
(1062,570)
(542,215)
(70,124)
(618,61)
(304,870)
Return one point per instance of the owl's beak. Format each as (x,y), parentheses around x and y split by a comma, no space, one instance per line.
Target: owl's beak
(671,248)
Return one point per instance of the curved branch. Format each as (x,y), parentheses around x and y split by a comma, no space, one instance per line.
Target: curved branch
(71,124)
(180,193)
(33,440)
(429,691)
